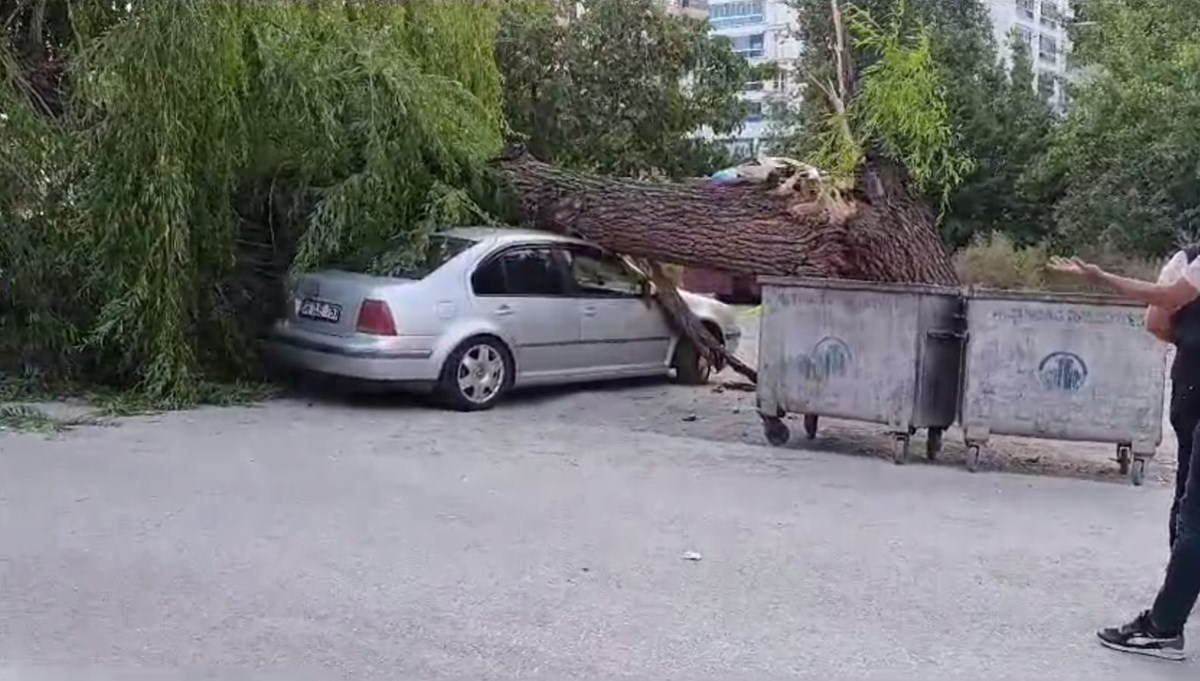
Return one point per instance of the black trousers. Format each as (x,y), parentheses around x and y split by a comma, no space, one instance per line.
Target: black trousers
(1181,587)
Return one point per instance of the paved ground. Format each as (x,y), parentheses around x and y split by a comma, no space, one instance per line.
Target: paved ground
(548,539)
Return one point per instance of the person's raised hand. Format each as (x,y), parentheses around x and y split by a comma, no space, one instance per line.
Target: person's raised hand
(1077,267)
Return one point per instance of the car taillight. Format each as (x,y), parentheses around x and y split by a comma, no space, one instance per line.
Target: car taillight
(375,318)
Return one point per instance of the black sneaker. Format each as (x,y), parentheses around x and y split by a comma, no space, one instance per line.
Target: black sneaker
(1140,637)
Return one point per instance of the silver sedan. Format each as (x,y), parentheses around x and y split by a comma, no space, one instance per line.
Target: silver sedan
(491,310)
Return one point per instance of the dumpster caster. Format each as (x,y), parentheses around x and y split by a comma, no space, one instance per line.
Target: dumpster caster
(933,445)
(810,426)
(776,431)
(1137,472)
(973,458)
(1124,454)
(900,450)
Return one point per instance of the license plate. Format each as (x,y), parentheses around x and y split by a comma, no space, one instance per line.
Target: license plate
(320,310)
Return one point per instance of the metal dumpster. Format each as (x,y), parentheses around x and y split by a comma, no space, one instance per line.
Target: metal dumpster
(1063,367)
(881,353)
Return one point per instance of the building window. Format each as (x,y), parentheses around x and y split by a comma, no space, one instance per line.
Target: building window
(1050,14)
(1048,49)
(1024,8)
(733,14)
(749,46)
(1045,85)
(1024,34)
(753,86)
(781,80)
(754,112)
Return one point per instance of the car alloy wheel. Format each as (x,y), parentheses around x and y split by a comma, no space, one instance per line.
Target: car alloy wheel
(481,374)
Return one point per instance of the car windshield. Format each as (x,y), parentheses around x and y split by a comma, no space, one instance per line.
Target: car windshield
(441,249)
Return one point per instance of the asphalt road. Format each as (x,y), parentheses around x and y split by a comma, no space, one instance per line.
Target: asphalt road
(384,541)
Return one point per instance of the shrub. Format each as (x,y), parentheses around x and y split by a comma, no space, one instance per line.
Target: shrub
(996,262)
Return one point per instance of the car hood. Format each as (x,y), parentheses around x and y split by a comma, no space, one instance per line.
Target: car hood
(710,308)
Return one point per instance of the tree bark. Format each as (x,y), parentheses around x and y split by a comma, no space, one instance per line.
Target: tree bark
(883,234)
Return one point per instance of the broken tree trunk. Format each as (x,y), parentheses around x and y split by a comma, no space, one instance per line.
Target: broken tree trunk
(680,317)
(883,235)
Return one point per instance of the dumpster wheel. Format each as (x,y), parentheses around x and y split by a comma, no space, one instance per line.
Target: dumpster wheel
(810,426)
(900,447)
(776,431)
(933,445)
(1137,472)
(1124,455)
(973,458)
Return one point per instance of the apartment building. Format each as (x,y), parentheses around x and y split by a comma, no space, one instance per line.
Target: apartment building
(1043,25)
(762,31)
(693,8)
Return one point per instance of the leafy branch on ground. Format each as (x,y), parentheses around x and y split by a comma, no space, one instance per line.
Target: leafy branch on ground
(27,419)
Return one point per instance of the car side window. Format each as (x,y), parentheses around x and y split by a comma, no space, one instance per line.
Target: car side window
(488,280)
(598,274)
(520,272)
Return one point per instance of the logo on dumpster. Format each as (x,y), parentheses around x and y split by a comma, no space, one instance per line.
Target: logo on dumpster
(1063,372)
(830,357)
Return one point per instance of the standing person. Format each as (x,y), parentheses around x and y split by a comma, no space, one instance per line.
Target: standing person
(1172,315)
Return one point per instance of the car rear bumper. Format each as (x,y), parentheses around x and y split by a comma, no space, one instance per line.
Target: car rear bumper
(396,360)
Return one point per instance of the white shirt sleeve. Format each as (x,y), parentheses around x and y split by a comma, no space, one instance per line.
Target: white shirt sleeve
(1191,272)
(1177,267)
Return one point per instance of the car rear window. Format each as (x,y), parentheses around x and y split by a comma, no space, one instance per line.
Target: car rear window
(440,250)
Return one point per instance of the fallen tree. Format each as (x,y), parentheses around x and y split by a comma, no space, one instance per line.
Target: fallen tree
(881,233)
(887,139)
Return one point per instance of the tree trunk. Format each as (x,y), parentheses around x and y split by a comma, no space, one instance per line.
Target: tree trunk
(883,235)
(680,317)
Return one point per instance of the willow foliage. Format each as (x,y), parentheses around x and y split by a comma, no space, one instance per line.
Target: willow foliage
(903,104)
(214,146)
(38,250)
(901,109)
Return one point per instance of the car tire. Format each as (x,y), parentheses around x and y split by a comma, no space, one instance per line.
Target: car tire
(463,388)
(690,366)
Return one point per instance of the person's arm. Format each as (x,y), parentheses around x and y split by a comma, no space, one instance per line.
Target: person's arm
(1169,296)
(1158,323)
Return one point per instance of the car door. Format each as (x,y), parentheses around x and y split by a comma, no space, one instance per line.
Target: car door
(525,292)
(621,330)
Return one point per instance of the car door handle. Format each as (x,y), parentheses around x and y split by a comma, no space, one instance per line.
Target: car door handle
(503,311)
(589,311)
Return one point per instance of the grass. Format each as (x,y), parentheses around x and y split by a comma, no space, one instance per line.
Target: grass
(26,419)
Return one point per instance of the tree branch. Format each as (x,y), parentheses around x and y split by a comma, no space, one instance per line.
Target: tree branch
(845,61)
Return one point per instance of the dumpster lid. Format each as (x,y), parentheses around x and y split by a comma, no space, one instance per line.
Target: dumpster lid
(1067,297)
(857,285)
